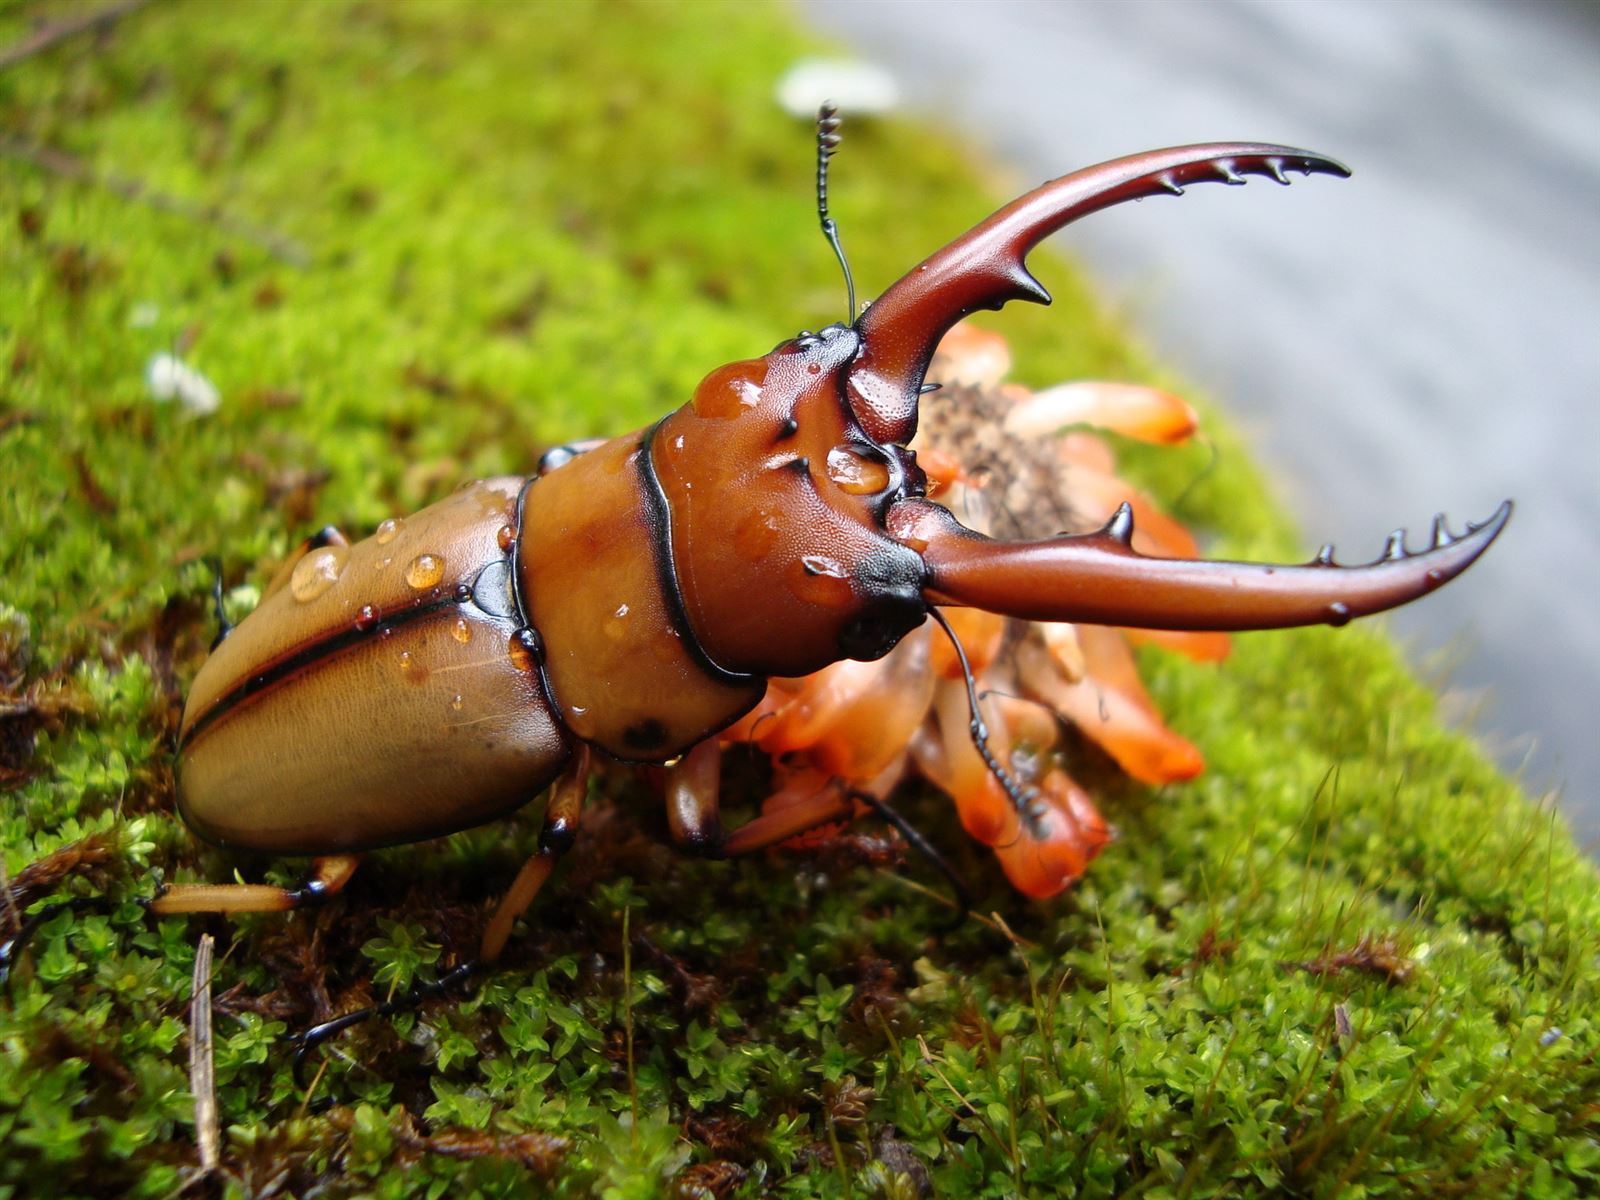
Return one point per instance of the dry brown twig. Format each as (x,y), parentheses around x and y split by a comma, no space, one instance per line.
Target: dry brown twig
(202,1065)
(69,166)
(47,36)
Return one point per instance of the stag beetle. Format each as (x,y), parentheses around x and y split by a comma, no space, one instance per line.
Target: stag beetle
(632,597)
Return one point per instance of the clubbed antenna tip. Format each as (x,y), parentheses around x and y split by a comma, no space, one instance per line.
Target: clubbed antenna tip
(828,139)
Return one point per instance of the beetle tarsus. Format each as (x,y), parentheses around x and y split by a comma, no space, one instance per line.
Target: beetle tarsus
(11,950)
(308,1040)
(224,626)
(918,842)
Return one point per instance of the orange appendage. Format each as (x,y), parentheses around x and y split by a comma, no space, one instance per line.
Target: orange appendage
(862,726)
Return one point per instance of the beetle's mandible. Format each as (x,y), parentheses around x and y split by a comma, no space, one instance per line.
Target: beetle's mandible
(631,598)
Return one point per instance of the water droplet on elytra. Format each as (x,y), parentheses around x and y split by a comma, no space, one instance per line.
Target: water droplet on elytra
(525,650)
(461,631)
(425,571)
(387,531)
(317,572)
(366,617)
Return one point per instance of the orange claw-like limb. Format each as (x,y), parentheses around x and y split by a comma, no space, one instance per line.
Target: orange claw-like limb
(1098,578)
(985,267)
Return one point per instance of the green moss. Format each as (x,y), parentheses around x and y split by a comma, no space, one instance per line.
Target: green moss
(1350,959)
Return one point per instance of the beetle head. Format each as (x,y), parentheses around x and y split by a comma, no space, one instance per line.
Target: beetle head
(778,502)
(799,531)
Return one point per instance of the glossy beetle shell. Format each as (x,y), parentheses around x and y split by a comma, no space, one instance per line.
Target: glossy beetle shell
(349,710)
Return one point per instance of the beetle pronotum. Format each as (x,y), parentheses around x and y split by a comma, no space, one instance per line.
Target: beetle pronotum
(631,598)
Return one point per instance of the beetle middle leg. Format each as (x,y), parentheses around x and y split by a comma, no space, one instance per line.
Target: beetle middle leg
(695,822)
(560,829)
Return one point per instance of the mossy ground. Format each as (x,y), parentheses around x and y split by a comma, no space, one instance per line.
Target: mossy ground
(1351,959)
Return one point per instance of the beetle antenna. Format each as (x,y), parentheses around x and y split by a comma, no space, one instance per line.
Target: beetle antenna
(828,139)
(1024,801)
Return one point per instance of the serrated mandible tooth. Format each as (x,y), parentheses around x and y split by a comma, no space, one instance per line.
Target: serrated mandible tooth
(1120,526)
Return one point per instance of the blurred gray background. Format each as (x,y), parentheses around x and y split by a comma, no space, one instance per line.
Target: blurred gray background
(1424,336)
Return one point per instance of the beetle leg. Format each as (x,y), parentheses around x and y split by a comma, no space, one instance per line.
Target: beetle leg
(328,878)
(693,786)
(328,535)
(560,828)
(917,841)
(830,804)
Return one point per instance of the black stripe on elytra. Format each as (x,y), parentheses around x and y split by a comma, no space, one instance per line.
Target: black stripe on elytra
(286,665)
(659,516)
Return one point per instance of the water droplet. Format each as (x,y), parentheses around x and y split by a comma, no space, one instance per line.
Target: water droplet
(461,631)
(506,537)
(856,473)
(406,661)
(526,652)
(755,534)
(816,564)
(456,703)
(616,625)
(317,572)
(425,571)
(367,617)
(1338,613)
(814,368)
(387,531)
(821,581)
(730,390)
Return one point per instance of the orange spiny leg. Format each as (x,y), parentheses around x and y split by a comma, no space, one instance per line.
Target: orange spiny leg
(823,808)
(560,828)
(328,878)
(693,815)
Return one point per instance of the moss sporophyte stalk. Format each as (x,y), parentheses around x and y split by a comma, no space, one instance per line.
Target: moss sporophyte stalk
(417,245)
